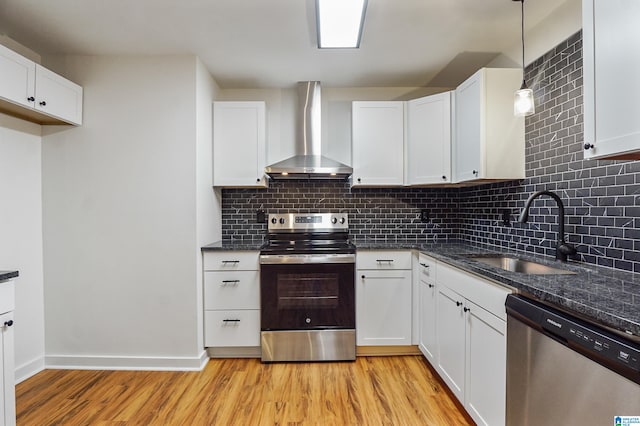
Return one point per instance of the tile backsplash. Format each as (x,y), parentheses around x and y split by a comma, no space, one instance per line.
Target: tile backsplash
(602,216)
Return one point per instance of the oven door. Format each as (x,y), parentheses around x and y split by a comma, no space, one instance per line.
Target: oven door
(307,292)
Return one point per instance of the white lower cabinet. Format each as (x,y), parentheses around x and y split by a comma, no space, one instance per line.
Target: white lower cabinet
(427,295)
(485,382)
(231,299)
(451,339)
(470,347)
(7,367)
(383,298)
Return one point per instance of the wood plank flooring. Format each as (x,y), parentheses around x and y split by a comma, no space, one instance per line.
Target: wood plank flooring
(394,390)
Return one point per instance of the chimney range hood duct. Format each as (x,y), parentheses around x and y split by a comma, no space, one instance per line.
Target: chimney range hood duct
(308,163)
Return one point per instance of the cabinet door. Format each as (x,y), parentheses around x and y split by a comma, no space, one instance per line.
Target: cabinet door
(450,332)
(17,84)
(232,328)
(485,387)
(383,307)
(469,128)
(611,86)
(428,298)
(429,139)
(7,371)
(57,96)
(378,143)
(239,144)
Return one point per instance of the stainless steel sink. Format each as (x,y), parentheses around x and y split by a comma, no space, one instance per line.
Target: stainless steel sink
(515,264)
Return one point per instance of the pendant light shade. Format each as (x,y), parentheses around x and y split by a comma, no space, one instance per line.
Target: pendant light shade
(523,102)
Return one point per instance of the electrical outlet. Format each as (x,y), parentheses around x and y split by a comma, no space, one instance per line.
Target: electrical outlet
(261,217)
(506,217)
(424,215)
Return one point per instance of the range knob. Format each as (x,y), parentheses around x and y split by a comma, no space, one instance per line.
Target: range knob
(274,220)
(342,220)
(282,221)
(334,220)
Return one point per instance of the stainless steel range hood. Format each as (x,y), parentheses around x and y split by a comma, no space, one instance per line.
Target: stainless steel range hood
(308,163)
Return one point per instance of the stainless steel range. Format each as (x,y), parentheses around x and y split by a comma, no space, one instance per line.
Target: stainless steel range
(307,289)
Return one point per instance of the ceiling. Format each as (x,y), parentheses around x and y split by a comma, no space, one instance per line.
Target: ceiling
(272,43)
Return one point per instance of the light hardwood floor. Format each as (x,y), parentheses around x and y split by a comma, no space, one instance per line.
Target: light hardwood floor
(394,390)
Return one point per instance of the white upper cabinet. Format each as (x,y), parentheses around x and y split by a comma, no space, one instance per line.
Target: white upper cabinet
(58,97)
(239,144)
(17,82)
(488,142)
(428,155)
(611,66)
(378,143)
(32,92)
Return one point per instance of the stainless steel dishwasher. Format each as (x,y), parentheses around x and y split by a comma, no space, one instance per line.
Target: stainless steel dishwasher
(563,370)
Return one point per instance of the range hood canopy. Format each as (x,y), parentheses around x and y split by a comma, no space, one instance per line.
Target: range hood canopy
(308,163)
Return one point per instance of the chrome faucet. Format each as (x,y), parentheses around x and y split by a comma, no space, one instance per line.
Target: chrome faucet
(563,249)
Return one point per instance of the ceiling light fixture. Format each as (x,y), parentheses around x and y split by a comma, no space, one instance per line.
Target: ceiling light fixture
(339,23)
(523,103)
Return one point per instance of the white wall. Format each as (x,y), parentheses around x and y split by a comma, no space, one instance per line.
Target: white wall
(120,219)
(21,236)
(559,25)
(208,201)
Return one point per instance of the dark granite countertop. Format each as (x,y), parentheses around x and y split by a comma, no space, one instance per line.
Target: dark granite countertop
(607,296)
(233,246)
(7,275)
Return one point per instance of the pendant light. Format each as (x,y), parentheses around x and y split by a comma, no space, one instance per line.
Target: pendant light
(523,104)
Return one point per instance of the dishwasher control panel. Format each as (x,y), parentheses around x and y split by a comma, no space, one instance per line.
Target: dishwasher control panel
(590,339)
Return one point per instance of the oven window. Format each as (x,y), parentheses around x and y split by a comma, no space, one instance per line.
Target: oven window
(319,291)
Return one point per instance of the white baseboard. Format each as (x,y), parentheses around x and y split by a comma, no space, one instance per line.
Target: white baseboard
(29,369)
(75,362)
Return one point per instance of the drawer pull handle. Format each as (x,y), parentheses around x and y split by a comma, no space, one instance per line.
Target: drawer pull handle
(225,282)
(424,264)
(230,261)
(230,320)
(384,260)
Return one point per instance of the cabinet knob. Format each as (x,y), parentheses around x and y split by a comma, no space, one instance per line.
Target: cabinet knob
(43,103)
(31,99)
(359,180)
(424,264)
(588,146)
(466,309)
(431,285)
(475,172)
(363,277)
(444,177)
(8,323)
(458,303)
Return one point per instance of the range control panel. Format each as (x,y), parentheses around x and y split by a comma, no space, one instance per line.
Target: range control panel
(308,222)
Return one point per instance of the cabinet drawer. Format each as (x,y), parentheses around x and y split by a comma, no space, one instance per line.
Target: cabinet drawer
(232,328)
(7,296)
(231,261)
(427,267)
(481,292)
(383,259)
(232,290)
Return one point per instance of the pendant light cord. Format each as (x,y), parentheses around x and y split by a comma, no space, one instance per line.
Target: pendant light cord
(522,38)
